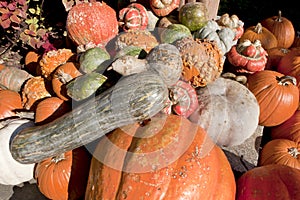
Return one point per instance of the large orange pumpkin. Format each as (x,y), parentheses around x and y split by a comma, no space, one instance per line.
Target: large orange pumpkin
(276,94)
(163,164)
(269,182)
(9,102)
(94,22)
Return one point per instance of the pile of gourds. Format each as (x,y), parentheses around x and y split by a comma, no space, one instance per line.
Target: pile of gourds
(142,102)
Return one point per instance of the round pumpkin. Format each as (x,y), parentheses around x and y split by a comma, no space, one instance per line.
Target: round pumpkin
(92,22)
(228,112)
(280,151)
(274,56)
(64,176)
(282,28)
(268,183)
(13,172)
(163,160)
(9,102)
(296,42)
(289,129)
(277,96)
(61,76)
(50,108)
(259,32)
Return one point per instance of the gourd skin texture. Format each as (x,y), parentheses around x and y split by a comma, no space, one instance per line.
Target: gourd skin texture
(13,172)
(180,170)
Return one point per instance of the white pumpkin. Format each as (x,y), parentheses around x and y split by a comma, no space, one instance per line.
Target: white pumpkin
(13,172)
(228,111)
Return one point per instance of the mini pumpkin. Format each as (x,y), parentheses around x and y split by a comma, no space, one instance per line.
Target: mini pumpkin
(282,28)
(61,76)
(280,151)
(9,102)
(277,96)
(258,32)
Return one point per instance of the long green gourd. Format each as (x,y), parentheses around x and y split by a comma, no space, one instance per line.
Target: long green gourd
(134,98)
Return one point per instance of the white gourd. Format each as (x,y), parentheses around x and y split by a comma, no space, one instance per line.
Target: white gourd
(13,172)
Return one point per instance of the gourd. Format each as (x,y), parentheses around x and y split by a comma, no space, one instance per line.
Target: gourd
(13,172)
(163,8)
(227,110)
(134,98)
(161,160)
(268,183)
(94,22)
(10,101)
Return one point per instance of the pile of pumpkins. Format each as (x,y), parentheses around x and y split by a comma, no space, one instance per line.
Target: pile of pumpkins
(142,102)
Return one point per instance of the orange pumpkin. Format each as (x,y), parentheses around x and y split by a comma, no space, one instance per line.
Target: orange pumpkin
(161,160)
(9,102)
(268,183)
(276,94)
(296,42)
(61,76)
(259,32)
(280,151)
(50,108)
(289,129)
(31,62)
(64,177)
(274,56)
(282,28)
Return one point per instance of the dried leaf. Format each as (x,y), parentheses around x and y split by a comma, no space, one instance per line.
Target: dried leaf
(68,4)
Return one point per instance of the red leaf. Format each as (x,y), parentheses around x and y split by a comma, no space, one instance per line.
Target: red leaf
(5,16)
(15,19)
(12,6)
(5,24)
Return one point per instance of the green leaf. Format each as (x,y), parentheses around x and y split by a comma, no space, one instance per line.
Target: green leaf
(32,10)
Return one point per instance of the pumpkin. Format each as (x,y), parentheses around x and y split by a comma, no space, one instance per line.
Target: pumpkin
(133,16)
(296,42)
(280,151)
(258,32)
(289,64)
(52,59)
(61,76)
(64,177)
(268,183)
(223,36)
(124,103)
(274,56)
(193,15)
(9,102)
(35,89)
(13,172)
(202,61)
(289,129)
(224,107)
(277,96)
(49,109)
(282,28)
(174,32)
(13,78)
(163,8)
(94,22)
(31,62)
(161,160)
(247,57)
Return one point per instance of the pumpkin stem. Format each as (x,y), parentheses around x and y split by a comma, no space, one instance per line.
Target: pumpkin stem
(58,158)
(293,151)
(279,18)
(258,28)
(286,80)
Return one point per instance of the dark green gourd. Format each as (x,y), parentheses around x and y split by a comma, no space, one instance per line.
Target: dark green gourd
(134,98)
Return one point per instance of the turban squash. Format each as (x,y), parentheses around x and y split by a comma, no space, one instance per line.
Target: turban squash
(140,163)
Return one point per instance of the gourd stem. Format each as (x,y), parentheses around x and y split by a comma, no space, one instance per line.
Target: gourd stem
(279,18)
(285,80)
(258,28)
(293,151)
